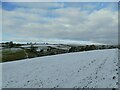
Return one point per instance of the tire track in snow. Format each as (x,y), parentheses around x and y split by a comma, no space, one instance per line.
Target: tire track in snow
(93,75)
(78,71)
(97,72)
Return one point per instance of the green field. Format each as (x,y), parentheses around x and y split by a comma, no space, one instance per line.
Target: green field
(13,55)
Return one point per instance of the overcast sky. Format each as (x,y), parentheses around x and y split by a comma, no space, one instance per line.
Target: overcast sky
(36,22)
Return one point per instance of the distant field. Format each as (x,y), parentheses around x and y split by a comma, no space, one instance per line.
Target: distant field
(26,51)
(11,54)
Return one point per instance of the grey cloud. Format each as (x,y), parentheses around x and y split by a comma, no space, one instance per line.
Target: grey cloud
(72,23)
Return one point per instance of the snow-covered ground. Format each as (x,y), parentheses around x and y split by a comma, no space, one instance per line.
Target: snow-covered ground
(25,46)
(97,69)
(11,50)
(1,47)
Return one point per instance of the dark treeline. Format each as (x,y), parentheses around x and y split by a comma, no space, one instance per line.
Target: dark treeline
(92,47)
(11,44)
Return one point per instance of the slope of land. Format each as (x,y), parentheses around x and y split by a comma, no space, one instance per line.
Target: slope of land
(97,69)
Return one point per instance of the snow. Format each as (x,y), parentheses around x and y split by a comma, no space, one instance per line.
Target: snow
(65,41)
(11,49)
(25,46)
(60,41)
(15,49)
(0,76)
(62,47)
(82,69)
(1,47)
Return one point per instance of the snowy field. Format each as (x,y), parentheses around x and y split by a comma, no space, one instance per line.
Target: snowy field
(97,69)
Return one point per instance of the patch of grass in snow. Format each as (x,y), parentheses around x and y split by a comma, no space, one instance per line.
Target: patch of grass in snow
(9,55)
(13,55)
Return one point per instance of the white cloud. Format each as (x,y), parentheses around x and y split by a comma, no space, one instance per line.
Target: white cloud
(69,23)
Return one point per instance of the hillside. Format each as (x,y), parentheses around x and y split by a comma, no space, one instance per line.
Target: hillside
(97,69)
